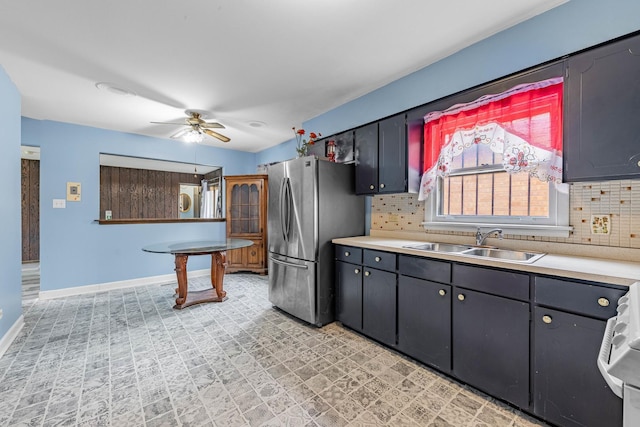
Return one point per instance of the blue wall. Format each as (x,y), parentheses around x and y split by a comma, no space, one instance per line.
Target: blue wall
(77,251)
(574,26)
(10,238)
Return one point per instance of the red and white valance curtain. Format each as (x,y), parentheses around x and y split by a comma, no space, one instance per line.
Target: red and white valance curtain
(523,124)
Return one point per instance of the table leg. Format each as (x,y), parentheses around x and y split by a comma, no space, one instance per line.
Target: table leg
(218,265)
(181,272)
(213,294)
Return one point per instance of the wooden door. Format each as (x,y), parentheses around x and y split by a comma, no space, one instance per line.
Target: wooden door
(30,210)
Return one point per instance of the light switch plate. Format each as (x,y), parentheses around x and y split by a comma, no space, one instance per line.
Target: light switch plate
(73,191)
(59,203)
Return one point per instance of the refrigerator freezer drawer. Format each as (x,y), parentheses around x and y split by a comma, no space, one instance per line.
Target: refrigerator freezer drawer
(292,287)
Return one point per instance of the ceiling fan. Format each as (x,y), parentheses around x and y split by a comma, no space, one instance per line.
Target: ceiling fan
(196,128)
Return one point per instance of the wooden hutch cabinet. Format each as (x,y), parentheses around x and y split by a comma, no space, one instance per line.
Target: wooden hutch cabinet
(247,219)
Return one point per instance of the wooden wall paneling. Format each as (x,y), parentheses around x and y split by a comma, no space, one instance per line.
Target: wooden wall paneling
(105,190)
(158,185)
(166,189)
(125,200)
(154,178)
(141,194)
(136,193)
(149,210)
(114,183)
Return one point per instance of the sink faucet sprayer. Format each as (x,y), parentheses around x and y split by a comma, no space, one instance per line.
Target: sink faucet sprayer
(480,237)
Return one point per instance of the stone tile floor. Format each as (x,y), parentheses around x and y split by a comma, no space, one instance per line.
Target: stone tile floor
(127,358)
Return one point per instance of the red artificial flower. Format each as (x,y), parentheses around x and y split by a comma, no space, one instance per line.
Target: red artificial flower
(300,131)
(312,135)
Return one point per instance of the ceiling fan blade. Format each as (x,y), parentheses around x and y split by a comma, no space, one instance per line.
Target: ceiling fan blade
(180,133)
(211,125)
(216,135)
(169,123)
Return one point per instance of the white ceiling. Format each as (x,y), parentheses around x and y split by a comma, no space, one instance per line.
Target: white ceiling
(278,62)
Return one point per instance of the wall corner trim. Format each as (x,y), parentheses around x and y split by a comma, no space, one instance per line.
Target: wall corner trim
(11,335)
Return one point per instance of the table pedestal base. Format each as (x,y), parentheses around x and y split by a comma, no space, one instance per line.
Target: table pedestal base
(215,294)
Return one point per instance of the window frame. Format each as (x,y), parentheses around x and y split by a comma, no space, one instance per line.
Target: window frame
(555,225)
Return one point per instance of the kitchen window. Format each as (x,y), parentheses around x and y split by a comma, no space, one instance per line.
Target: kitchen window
(497,161)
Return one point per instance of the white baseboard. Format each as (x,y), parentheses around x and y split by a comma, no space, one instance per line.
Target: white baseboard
(11,335)
(122,284)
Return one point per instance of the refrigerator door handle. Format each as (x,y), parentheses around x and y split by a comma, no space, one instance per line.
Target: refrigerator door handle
(289,264)
(282,208)
(288,201)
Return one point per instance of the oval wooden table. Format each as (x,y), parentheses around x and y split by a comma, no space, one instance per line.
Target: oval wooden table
(182,251)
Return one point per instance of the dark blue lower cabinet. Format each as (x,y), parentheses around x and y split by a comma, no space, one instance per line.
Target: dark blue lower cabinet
(568,389)
(491,344)
(349,294)
(379,305)
(424,321)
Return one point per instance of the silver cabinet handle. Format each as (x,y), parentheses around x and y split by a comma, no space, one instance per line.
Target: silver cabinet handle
(347,253)
(603,302)
(371,187)
(461,297)
(547,319)
(366,273)
(381,185)
(378,259)
(357,271)
(442,292)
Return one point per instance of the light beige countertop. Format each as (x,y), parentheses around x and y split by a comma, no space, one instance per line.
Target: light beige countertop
(575,267)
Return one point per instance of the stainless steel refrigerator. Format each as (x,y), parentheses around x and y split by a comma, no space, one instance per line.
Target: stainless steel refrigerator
(311,202)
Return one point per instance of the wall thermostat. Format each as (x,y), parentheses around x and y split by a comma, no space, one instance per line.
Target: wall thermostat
(73,191)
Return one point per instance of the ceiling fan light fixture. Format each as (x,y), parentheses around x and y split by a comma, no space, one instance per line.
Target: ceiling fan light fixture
(193,136)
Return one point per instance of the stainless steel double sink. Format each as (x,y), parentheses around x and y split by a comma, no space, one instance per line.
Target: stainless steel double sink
(479,252)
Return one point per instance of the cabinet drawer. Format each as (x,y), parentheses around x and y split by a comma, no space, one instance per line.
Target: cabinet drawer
(424,268)
(503,283)
(379,259)
(583,298)
(349,254)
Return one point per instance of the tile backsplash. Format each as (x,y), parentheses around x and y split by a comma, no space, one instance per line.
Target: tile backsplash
(619,200)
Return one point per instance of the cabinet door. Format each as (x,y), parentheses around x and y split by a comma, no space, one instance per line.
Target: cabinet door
(244,213)
(344,147)
(379,305)
(392,155)
(349,294)
(424,321)
(602,130)
(366,146)
(568,389)
(491,344)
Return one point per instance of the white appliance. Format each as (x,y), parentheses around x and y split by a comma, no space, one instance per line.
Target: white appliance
(619,359)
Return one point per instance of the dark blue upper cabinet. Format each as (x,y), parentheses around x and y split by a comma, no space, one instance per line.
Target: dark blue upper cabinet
(381,156)
(366,145)
(602,114)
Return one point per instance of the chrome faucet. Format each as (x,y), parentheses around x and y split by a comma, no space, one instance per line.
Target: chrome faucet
(480,237)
